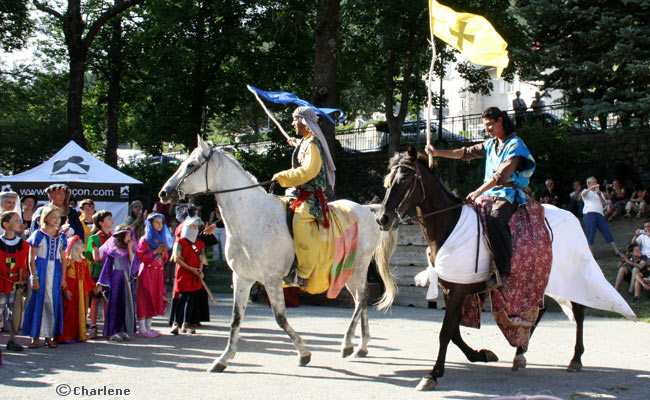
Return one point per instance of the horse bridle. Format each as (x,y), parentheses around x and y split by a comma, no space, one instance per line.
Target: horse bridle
(207,187)
(409,193)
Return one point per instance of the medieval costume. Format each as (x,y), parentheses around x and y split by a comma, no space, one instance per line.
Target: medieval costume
(13,268)
(44,313)
(152,293)
(95,242)
(508,166)
(116,277)
(311,173)
(189,259)
(79,283)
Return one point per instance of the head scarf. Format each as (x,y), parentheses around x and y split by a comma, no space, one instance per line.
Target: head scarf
(18,207)
(110,248)
(71,243)
(309,117)
(188,232)
(155,238)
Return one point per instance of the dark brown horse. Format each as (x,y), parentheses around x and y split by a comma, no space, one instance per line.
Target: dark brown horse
(411,184)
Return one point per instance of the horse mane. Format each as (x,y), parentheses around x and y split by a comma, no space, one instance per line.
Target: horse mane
(232,158)
(423,160)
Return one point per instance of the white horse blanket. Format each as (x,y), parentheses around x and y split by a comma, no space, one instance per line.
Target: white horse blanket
(575,274)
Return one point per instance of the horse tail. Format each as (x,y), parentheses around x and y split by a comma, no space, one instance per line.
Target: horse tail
(382,256)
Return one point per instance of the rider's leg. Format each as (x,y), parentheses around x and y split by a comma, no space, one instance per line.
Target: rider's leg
(306,241)
(499,233)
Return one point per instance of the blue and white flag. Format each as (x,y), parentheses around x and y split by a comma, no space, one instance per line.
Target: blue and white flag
(286,98)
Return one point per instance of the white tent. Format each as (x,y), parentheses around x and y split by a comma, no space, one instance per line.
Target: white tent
(87,177)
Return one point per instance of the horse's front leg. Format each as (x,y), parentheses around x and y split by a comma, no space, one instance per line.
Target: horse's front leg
(472,355)
(520,359)
(579,314)
(454,301)
(241,291)
(276,296)
(360,294)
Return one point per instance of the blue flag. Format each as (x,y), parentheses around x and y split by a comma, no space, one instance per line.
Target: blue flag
(286,98)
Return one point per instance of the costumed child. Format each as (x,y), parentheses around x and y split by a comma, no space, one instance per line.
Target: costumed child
(14,252)
(101,232)
(78,284)
(44,313)
(152,293)
(119,270)
(187,254)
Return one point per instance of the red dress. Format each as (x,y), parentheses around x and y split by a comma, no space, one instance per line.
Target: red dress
(186,281)
(78,282)
(151,282)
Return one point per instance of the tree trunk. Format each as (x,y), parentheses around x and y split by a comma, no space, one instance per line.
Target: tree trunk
(73,30)
(115,69)
(325,63)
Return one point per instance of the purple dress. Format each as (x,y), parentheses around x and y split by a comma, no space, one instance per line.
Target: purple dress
(117,278)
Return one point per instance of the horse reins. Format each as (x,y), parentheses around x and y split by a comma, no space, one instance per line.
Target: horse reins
(207,187)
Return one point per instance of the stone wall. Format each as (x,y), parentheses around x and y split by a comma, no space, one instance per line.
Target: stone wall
(624,151)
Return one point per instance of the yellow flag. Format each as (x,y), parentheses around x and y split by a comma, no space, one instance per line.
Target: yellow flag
(471,34)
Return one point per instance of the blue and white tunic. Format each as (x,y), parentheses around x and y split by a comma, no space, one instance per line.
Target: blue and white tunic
(44,313)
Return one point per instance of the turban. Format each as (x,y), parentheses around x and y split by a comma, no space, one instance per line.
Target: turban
(309,117)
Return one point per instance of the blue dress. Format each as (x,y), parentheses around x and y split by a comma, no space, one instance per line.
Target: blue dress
(44,313)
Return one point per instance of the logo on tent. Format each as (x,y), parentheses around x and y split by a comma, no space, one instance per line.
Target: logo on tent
(72,165)
(124,191)
(7,188)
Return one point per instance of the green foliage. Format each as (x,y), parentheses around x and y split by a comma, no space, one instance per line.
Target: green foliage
(596,51)
(15,24)
(149,172)
(32,120)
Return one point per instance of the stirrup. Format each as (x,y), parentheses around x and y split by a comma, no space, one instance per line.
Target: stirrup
(292,277)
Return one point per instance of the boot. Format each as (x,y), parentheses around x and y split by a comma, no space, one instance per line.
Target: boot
(174,330)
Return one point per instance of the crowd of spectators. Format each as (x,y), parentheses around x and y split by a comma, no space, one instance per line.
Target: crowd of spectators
(63,259)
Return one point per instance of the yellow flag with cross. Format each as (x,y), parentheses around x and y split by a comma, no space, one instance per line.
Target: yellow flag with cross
(471,34)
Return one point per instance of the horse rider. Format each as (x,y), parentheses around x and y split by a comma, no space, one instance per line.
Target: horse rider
(311,173)
(508,168)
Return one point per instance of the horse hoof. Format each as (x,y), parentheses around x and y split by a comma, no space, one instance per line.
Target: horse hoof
(427,384)
(361,353)
(575,366)
(489,356)
(346,351)
(304,360)
(217,367)
(519,362)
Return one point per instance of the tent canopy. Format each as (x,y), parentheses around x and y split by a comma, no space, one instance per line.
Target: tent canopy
(72,164)
(86,176)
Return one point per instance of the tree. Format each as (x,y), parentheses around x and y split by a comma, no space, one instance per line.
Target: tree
(326,62)
(596,52)
(15,24)
(79,36)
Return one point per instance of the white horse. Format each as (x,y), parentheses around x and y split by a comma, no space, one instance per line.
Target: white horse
(260,248)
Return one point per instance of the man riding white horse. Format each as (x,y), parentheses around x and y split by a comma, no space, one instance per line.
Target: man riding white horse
(508,168)
(311,173)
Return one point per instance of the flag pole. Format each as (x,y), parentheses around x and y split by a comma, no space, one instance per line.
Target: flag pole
(269,114)
(429,78)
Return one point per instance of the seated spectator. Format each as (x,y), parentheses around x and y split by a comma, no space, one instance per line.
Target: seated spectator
(640,280)
(642,238)
(592,214)
(630,265)
(638,203)
(549,195)
(617,194)
(575,200)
